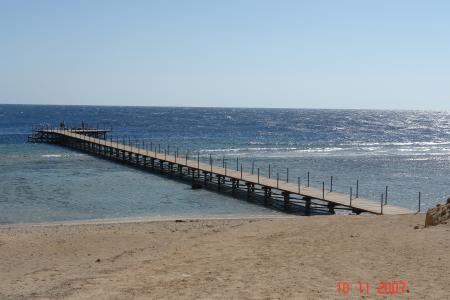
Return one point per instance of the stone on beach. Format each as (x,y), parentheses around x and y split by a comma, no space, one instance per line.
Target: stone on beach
(438,215)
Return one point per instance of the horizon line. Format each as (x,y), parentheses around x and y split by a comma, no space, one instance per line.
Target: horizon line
(227,107)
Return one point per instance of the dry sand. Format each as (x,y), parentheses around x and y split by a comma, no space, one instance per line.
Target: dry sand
(279,258)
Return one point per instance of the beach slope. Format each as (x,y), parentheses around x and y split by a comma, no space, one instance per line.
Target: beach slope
(281,258)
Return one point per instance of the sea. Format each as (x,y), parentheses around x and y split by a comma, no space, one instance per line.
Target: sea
(406,151)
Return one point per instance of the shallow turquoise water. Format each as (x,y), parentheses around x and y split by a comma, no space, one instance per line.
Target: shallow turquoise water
(53,184)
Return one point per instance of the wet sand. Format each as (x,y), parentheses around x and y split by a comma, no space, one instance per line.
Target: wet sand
(233,258)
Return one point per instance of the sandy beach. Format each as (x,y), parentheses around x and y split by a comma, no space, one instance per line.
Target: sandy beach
(259,258)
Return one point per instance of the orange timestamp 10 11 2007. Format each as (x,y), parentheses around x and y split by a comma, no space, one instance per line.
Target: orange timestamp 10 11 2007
(383,288)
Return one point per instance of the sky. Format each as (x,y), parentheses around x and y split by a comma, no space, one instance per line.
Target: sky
(364,54)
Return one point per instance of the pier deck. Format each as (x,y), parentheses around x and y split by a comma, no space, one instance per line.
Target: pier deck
(290,192)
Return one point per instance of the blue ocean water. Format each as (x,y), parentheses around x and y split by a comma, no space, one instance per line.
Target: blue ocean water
(409,151)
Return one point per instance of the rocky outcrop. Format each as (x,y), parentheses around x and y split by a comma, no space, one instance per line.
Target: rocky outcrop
(438,215)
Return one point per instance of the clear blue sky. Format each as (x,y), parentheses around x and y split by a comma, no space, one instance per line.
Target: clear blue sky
(321,54)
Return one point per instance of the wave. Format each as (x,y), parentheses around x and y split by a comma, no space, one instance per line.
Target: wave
(62,155)
(373,150)
(274,149)
(51,155)
(436,143)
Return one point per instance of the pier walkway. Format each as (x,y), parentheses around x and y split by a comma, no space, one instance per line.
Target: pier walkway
(203,174)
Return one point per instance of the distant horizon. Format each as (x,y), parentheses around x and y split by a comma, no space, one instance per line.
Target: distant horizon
(229,107)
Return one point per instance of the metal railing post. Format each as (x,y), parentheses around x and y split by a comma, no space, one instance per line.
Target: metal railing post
(386,195)
(357,188)
(420,196)
(351,192)
(278,178)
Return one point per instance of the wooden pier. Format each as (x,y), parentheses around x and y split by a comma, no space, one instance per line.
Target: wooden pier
(272,192)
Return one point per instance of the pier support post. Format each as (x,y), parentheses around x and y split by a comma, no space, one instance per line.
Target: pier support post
(286,201)
(170,169)
(266,198)
(356,211)
(267,195)
(331,208)
(205,178)
(248,184)
(233,186)
(307,206)
(219,182)
(195,183)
